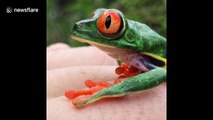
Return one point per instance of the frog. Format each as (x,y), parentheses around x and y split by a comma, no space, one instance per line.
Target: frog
(139,50)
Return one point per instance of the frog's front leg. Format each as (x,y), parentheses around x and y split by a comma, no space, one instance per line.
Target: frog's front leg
(140,82)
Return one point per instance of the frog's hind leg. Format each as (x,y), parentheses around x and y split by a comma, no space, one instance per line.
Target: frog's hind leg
(123,71)
(137,83)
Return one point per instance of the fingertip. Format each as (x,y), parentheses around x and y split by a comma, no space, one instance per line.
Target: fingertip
(57,46)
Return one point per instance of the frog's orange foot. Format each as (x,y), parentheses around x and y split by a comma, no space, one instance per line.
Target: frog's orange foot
(93,88)
(90,84)
(125,71)
(80,95)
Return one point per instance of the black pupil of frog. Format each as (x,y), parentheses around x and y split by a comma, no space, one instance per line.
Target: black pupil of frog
(108,21)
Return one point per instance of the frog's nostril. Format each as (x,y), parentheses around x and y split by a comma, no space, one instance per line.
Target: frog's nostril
(78,26)
(75,27)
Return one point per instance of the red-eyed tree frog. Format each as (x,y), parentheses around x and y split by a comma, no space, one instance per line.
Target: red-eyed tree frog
(140,50)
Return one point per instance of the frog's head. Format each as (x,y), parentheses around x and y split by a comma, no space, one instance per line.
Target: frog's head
(109,30)
(105,27)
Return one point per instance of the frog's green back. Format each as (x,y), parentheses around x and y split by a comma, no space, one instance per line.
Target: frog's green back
(145,39)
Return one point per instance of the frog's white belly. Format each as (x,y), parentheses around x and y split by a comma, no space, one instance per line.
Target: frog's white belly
(128,56)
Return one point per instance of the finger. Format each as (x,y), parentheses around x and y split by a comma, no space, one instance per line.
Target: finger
(78,56)
(149,105)
(61,80)
(57,46)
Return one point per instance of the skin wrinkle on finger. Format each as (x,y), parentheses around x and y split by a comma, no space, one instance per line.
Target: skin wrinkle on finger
(101,112)
(76,57)
(153,102)
(140,109)
(60,80)
(117,109)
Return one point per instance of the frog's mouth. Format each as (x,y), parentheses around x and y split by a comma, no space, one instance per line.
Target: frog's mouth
(89,41)
(143,61)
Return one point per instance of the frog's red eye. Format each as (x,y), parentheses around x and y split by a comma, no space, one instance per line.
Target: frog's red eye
(109,22)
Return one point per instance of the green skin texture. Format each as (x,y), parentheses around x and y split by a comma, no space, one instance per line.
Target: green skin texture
(134,36)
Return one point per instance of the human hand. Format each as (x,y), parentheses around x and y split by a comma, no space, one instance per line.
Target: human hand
(68,68)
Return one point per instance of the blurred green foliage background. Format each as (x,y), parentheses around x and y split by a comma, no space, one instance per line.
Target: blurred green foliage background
(63,14)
